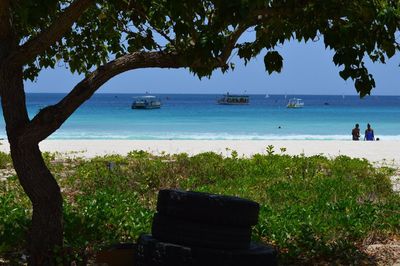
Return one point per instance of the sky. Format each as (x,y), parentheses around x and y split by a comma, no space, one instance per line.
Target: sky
(307,69)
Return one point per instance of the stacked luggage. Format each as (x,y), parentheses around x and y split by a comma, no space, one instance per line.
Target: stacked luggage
(193,229)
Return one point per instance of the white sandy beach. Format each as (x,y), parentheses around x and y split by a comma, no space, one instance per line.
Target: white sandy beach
(377,151)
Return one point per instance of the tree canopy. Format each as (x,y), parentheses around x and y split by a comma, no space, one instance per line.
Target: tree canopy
(203,33)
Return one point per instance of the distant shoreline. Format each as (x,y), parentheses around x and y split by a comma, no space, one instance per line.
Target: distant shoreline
(209,137)
(386,151)
(221,93)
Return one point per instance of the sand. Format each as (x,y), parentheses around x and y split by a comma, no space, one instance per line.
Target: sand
(377,151)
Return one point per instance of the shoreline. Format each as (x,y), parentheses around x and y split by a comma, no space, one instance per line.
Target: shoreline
(374,151)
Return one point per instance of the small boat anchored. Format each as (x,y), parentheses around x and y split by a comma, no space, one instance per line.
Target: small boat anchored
(238,99)
(146,102)
(295,103)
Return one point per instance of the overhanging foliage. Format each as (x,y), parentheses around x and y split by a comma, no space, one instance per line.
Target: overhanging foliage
(204,31)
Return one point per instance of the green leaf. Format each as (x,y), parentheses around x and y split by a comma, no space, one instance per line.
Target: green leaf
(273,62)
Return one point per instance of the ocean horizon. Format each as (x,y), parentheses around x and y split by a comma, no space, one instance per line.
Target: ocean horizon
(199,117)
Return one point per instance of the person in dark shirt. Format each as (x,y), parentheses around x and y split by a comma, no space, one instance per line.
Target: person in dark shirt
(356,132)
(369,133)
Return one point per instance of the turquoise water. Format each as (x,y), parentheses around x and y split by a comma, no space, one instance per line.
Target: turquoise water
(184,116)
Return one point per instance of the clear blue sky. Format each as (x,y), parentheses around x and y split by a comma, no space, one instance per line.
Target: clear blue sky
(308,69)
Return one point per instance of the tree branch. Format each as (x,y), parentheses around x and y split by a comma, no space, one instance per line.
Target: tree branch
(136,6)
(233,38)
(52,117)
(52,34)
(7,40)
(5,27)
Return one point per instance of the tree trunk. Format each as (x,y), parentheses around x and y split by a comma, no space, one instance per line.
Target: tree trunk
(46,232)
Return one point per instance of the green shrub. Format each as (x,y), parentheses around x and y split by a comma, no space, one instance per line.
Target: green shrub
(5,160)
(312,208)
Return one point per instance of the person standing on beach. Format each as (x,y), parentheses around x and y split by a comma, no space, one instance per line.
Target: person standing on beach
(356,132)
(369,133)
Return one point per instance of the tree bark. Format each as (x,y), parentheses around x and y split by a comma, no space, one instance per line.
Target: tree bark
(46,231)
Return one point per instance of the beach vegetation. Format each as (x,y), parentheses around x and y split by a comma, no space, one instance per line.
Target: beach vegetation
(102,39)
(313,209)
(5,160)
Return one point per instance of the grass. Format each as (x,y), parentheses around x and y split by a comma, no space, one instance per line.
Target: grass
(312,208)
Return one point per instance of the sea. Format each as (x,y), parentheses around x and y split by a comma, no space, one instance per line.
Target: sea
(199,117)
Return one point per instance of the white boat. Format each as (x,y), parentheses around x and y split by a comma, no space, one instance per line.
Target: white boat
(230,99)
(295,103)
(146,102)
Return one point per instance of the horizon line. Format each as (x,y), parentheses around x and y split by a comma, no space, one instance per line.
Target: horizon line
(199,93)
